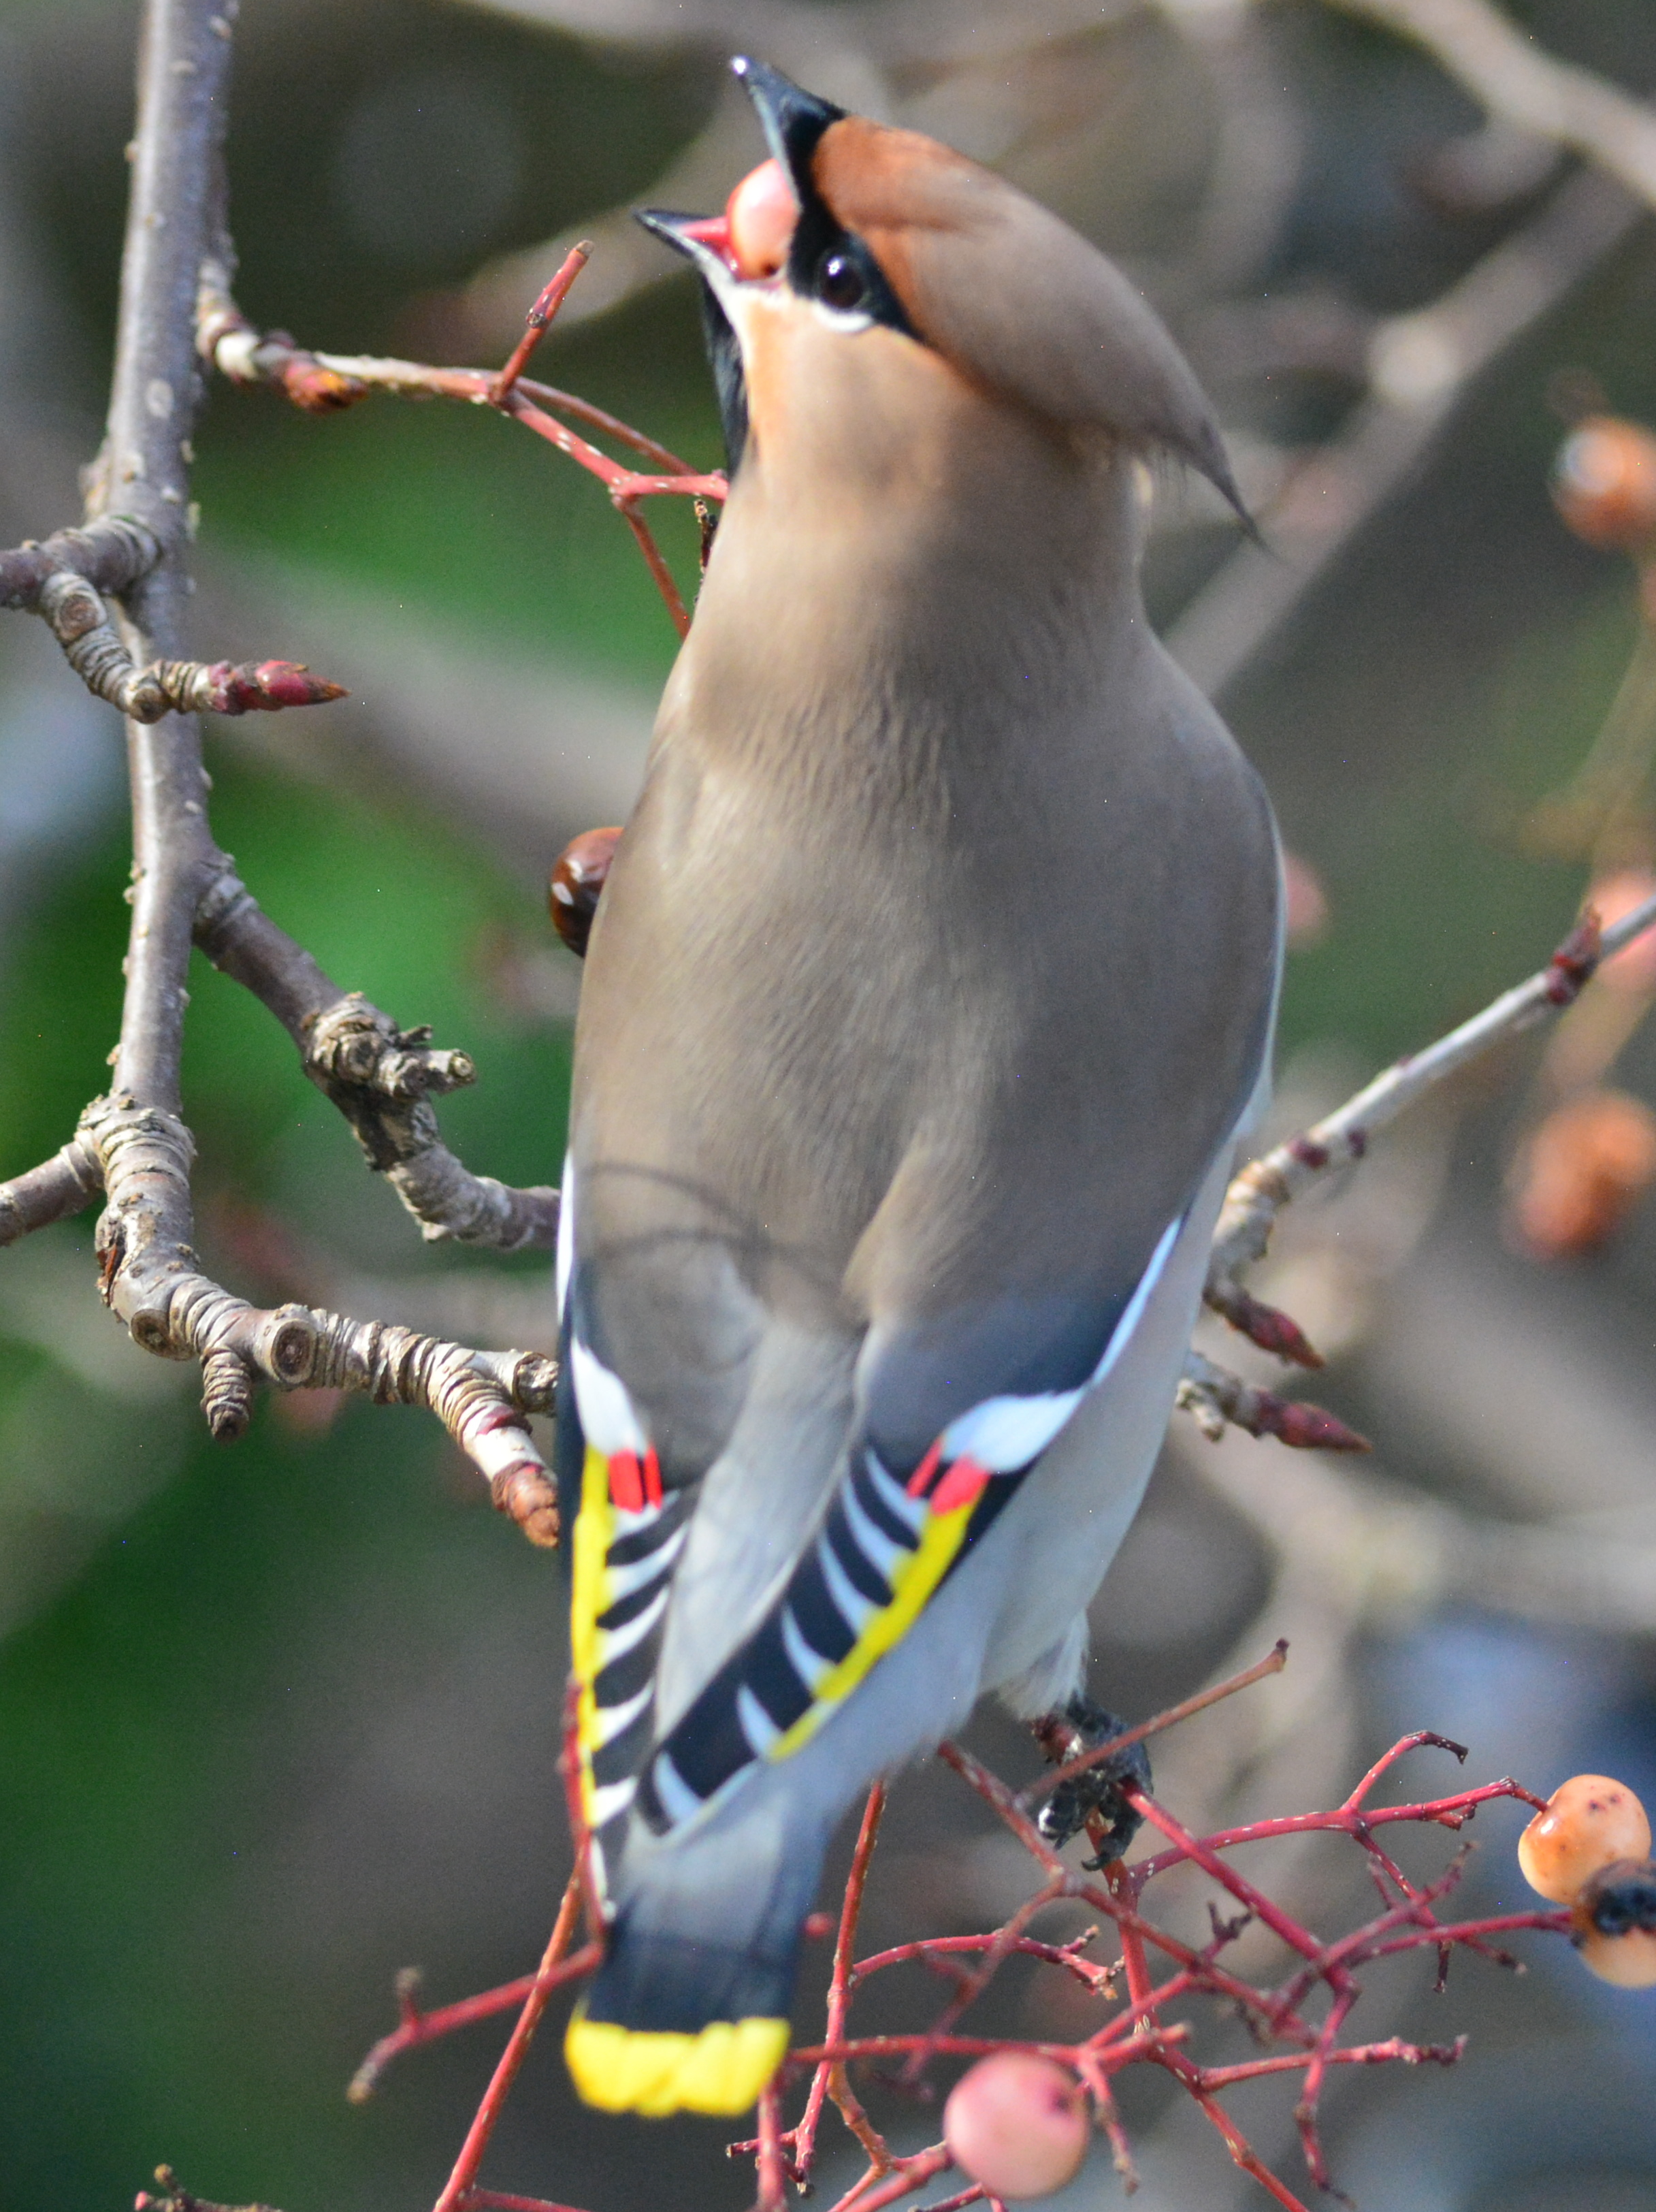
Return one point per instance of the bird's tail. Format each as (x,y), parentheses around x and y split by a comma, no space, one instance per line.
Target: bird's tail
(689,2010)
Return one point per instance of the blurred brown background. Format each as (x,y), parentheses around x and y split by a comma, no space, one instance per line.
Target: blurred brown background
(279,1719)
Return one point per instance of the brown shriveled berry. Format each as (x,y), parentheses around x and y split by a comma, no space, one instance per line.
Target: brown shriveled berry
(578,877)
(1582,1172)
(1604,483)
(1590,1820)
(1306,901)
(1017,2124)
(1614,1924)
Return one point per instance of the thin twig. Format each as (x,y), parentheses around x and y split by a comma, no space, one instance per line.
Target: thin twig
(539,320)
(557,1968)
(1507,73)
(1260,1192)
(1421,364)
(416,2027)
(319,382)
(1273,1663)
(380,1077)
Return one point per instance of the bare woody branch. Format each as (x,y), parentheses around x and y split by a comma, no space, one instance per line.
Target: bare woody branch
(1506,73)
(1217,1400)
(1262,1189)
(66,1184)
(172,1309)
(1421,361)
(63,581)
(111,555)
(1421,364)
(134,1144)
(82,625)
(381,1078)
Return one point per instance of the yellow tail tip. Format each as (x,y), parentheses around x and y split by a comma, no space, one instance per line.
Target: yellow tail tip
(721,2070)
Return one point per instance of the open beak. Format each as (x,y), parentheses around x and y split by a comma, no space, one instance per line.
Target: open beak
(703,239)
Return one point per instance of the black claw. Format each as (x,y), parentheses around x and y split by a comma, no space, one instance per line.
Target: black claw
(1098,1797)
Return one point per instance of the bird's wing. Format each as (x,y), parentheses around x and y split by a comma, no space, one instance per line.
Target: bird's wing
(863,1206)
(893,1519)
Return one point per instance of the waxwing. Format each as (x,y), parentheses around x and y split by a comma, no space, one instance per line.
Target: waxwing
(931,986)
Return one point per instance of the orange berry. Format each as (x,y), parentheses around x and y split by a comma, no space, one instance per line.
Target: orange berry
(1582,1172)
(1615,1924)
(1633,969)
(1306,901)
(1017,2124)
(1590,1820)
(1604,483)
(762,214)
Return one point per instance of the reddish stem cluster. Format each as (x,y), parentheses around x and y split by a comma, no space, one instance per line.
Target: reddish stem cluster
(1144,1993)
(321,383)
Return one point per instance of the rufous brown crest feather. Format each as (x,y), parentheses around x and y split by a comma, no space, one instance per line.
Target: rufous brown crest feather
(1014,298)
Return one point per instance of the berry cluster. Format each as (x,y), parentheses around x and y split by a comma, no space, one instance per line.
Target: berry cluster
(1591,1849)
(1019,2121)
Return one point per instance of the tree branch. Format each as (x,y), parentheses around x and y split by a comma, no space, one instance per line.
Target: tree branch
(1420,365)
(66,1184)
(1261,1191)
(321,382)
(134,1144)
(379,1077)
(1211,1394)
(1506,73)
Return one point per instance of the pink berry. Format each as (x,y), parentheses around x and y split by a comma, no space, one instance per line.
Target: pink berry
(1590,1819)
(1017,2124)
(761,214)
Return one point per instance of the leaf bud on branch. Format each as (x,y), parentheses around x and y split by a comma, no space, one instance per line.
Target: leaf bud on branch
(78,618)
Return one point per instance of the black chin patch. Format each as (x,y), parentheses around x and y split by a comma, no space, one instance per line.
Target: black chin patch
(729,386)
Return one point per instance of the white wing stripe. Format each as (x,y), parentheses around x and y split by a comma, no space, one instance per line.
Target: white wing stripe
(757,1726)
(606,1418)
(850,1603)
(1140,1298)
(808,1663)
(566,1232)
(1004,1434)
(637,1574)
(617,1642)
(614,1720)
(896,1499)
(678,1800)
(612,1797)
(876,1547)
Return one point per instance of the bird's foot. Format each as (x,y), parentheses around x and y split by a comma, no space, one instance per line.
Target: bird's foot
(1098,1800)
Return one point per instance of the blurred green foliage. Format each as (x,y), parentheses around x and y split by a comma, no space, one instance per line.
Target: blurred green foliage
(529,547)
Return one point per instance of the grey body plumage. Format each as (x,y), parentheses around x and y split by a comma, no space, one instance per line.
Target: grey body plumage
(931,983)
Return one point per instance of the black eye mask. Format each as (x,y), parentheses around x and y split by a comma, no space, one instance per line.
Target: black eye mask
(834,266)
(825,263)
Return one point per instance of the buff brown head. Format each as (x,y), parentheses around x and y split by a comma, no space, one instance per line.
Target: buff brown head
(867,227)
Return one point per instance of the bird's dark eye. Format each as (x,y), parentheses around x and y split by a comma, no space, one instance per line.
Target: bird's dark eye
(840,282)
